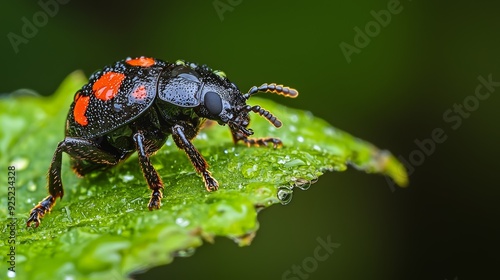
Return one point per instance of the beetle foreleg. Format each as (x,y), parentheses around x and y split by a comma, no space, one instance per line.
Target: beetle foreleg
(195,157)
(238,136)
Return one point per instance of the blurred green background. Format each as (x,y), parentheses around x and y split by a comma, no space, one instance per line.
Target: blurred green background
(394,90)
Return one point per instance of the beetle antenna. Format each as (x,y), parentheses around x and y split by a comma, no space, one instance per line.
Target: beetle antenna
(264,113)
(272,88)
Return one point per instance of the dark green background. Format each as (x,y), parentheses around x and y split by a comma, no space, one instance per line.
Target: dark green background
(393,92)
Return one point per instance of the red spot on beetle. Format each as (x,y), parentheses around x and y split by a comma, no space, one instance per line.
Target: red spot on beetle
(141,61)
(81,105)
(108,85)
(140,93)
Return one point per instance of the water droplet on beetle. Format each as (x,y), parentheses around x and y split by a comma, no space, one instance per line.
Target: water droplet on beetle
(285,195)
(119,107)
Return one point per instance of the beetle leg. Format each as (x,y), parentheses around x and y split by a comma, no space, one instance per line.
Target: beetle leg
(79,149)
(154,181)
(238,136)
(262,141)
(195,157)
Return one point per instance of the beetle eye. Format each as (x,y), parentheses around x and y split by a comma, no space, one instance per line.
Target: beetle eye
(213,102)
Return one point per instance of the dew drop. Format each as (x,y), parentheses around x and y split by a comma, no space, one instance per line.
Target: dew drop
(202,135)
(295,162)
(31,186)
(20,163)
(137,199)
(182,222)
(285,195)
(185,253)
(284,160)
(304,184)
(300,139)
(329,131)
(68,214)
(127,178)
(249,170)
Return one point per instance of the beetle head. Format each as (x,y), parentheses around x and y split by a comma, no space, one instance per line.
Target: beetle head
(240,123)
(214,97)
(222,101)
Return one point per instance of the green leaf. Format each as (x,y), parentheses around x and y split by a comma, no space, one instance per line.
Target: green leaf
(102,228)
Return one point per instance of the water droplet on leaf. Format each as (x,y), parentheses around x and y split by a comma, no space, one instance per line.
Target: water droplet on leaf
(304,184)
(20,163)
(182,222)
(31,186)
(185,253)
(127,178)
(285,195)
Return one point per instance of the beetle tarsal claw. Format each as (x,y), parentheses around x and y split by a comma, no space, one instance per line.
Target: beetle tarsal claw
(211,183)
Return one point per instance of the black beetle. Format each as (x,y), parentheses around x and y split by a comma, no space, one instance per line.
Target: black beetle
(135,104)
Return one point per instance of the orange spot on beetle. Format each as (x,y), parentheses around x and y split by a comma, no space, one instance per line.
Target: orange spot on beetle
(140,93)
(81,105)
(141,61)
(108,85)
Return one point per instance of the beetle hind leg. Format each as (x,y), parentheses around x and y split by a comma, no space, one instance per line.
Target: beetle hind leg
(80,149)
